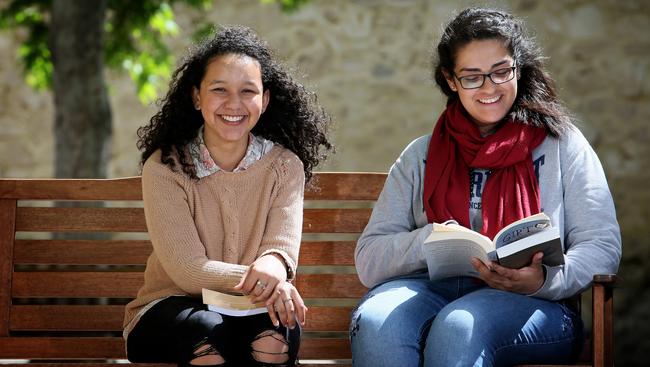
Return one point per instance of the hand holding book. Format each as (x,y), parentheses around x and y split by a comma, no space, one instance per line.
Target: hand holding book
(526,280)
(450,247)
(262,277)
(285,305)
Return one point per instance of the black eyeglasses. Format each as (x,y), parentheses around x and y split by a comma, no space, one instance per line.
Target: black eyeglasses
(498,76)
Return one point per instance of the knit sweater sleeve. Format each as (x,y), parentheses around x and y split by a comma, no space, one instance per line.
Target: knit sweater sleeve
(592,234)
(391,243)
(284,224)
(174,235)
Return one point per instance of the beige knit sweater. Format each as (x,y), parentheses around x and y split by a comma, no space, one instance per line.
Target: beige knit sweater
(205,233)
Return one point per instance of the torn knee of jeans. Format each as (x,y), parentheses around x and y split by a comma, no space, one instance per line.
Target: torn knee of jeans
(270,347)
(354,325)
(567,323)
(205,354)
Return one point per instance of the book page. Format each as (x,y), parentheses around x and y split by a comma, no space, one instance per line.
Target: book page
(448,230)
(232,305)
(452,258)
(521,229)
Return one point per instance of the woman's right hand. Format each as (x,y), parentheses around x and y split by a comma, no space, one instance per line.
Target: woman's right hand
(262,277)
(526,280)
(286,306)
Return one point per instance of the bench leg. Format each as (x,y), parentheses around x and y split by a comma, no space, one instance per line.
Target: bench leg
(603,339)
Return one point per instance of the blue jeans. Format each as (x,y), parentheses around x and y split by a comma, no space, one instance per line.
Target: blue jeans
(459,322)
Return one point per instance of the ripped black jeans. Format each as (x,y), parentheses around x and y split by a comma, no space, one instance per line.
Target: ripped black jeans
(177,329)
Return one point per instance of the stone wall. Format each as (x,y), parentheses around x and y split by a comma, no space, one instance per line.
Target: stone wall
(369,62)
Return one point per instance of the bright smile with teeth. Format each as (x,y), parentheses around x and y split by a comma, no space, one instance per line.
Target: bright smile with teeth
(490,100)
(232,118)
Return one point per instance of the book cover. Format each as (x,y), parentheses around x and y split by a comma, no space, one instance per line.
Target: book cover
(232,305)
(518,254)
(522,228)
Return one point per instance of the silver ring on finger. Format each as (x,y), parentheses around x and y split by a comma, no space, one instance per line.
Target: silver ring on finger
(261,284)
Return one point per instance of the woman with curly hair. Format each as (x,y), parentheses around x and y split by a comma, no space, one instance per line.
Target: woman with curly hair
(503,149)
(225,161)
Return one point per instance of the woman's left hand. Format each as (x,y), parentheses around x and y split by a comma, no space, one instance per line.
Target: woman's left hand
(286,306)
(526,280)
(261,278)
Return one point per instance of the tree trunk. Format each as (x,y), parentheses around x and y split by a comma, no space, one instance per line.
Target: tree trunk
(82,126)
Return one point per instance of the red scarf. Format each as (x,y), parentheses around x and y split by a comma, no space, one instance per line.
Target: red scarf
(456,146)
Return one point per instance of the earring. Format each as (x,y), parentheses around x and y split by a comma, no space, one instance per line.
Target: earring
(197,107)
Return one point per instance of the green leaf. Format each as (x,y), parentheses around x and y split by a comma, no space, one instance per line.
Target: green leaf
(203,31)
(287,5)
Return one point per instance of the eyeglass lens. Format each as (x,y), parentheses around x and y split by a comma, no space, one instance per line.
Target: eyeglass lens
(498,77)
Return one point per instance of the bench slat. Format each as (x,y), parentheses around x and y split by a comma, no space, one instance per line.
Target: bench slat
(37,219)
(128,188)
(330,286)
(136,252)
(43,284)
(82,318)
(335,220)
(325,348)
(66,318)
(328,186)
(113,348)
(52,219)
(62,347)
(76,284)
(82,252)
(346,186)
(327,253)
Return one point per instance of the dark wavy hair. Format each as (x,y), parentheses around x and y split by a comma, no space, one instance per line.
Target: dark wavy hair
(293,118)
(537,102)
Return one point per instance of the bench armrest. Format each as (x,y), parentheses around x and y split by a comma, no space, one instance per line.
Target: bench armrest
(606,279)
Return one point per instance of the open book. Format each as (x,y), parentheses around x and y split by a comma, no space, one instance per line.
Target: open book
(450,246)
(232,305)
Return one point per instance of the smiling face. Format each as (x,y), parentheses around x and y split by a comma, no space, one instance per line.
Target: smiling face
(231,99)
(489,104)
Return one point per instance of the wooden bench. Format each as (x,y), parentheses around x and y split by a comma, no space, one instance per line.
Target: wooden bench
(62,299)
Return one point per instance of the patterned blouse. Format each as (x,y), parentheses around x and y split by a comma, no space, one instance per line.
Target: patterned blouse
(205,165)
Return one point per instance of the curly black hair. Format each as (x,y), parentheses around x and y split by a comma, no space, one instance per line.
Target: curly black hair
(537,102)
(293,118)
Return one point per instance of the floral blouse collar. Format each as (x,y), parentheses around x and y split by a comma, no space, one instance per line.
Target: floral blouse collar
(205,165)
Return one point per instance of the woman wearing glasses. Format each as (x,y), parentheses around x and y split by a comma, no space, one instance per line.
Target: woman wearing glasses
(503,149)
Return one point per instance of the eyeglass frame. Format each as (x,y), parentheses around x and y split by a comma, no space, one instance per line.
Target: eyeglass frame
(489,75)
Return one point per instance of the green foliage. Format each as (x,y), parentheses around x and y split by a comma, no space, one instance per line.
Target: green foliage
(134,41)
(287,5)
(134,34)
(33,52)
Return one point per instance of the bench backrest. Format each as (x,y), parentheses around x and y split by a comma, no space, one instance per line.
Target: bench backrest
(72,253)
